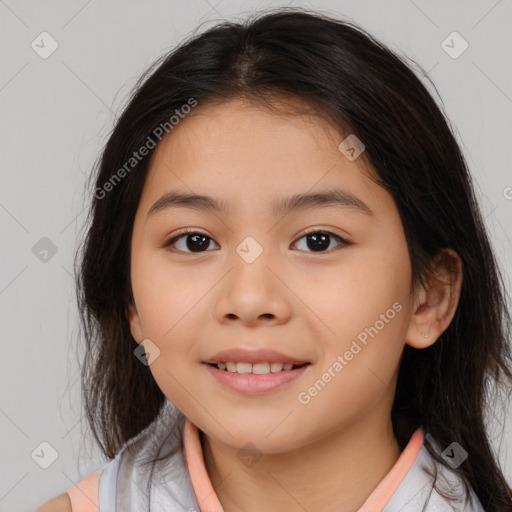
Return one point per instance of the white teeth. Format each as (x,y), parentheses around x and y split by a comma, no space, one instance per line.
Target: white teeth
(261,368)
(256,368)
(276,367)
(244,367)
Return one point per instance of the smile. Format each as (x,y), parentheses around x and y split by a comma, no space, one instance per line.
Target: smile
(248,381)
(256,368)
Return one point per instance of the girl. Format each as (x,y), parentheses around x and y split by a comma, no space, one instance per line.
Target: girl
(288,295)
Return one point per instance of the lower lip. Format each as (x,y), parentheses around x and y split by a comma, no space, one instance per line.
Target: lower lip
(252,384)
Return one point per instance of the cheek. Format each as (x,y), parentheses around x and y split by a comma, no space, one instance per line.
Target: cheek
(170,306)
(167,296)
(366,315)
(362,300)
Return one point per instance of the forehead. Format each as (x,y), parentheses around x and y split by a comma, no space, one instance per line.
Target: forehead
(242,151)
(242,127)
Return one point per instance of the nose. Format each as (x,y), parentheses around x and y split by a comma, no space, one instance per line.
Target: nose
(253,294)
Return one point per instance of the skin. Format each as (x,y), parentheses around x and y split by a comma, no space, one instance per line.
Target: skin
(330,453)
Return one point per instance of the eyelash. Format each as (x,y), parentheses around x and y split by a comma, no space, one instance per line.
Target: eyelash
(188,231)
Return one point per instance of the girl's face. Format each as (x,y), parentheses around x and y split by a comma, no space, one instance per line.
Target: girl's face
(249,277)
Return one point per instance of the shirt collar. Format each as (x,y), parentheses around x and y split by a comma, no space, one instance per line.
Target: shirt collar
(208,500)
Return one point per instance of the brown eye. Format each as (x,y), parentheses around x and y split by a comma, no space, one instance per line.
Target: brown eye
(190,241)
(319,241)
(195,242)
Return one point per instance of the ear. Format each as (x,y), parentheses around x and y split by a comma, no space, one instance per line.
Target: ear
(436,304)
(135,323)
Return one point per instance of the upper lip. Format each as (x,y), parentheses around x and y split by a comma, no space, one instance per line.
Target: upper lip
(262,355)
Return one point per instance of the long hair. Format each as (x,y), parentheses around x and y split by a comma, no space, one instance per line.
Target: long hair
(345,75)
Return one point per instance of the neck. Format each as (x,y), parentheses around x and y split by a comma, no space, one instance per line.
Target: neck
(338,472)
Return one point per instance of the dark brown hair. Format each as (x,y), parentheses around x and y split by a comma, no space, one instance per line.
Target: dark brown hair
(367,90)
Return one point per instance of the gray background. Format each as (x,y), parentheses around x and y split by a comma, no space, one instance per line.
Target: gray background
(55,115)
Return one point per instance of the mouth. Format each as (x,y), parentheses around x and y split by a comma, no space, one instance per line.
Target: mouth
(255,378)
(262,368)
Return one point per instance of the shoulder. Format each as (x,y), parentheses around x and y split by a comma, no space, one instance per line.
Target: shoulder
(60,503)
(450,491)
(431,486)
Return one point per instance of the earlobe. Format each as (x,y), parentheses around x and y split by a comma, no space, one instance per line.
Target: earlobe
(421,333)
(437,302)
(135,323)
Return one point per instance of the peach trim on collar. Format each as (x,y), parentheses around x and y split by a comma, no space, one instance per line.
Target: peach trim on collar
(203,489)
(381,495)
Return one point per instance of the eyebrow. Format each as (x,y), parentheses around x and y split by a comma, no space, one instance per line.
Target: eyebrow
(281,206)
